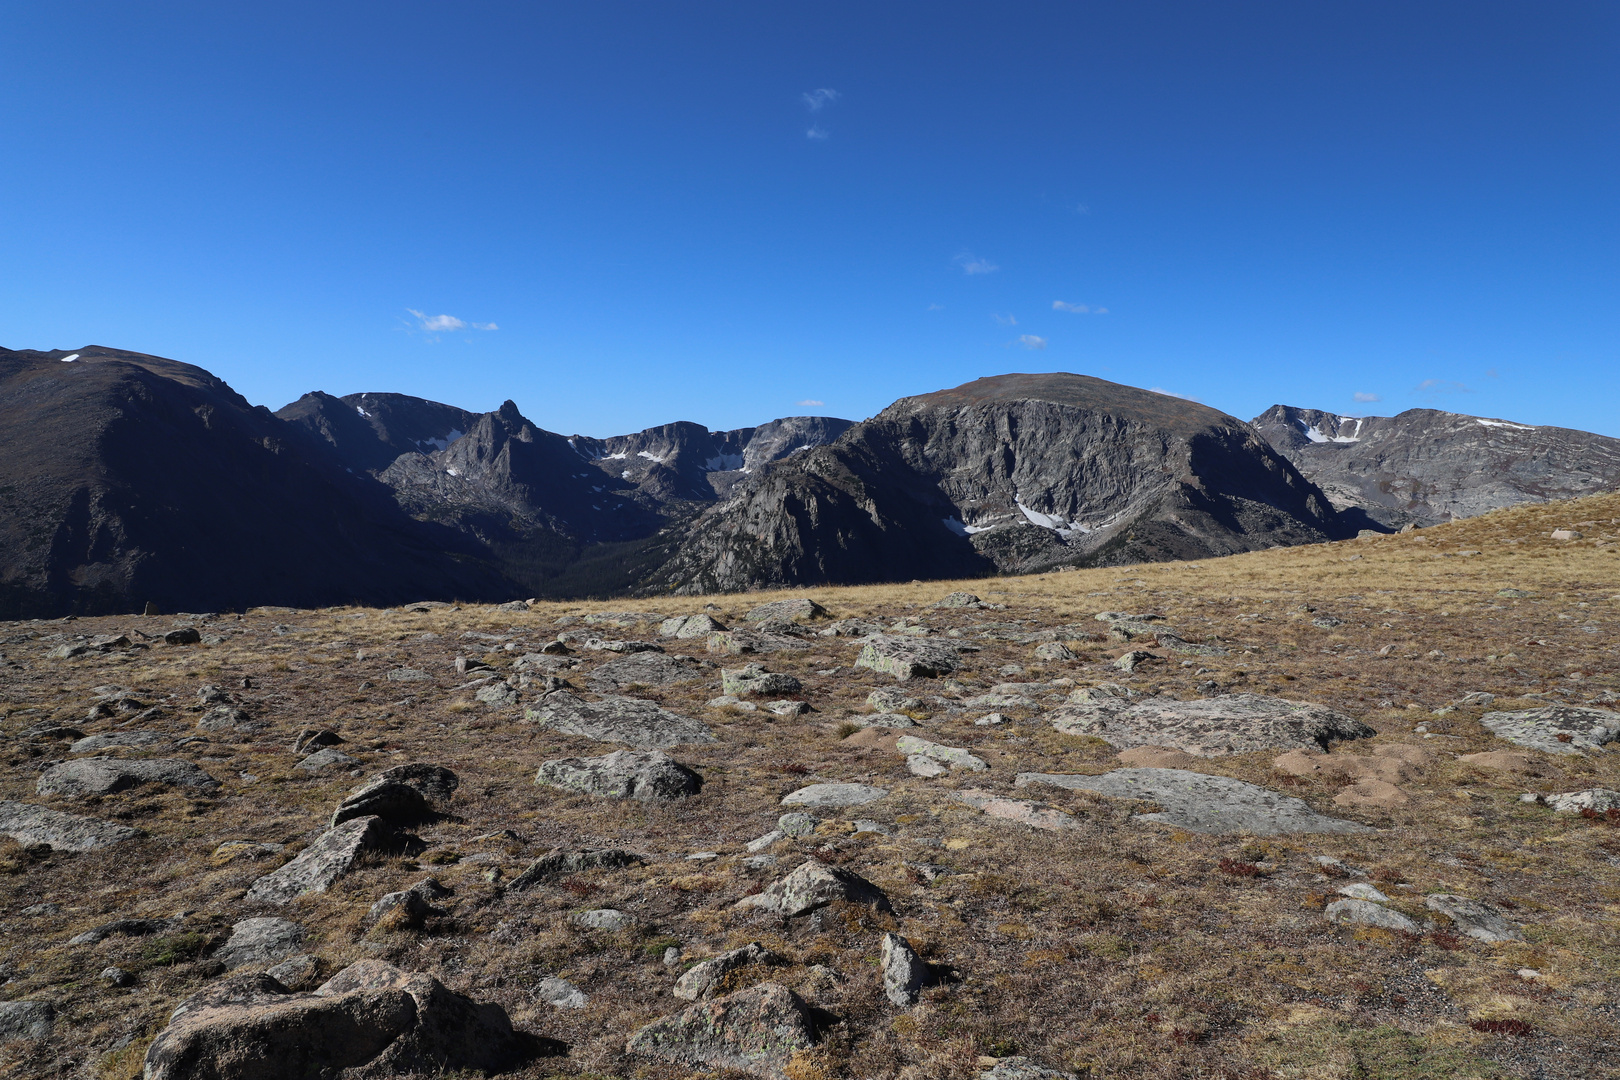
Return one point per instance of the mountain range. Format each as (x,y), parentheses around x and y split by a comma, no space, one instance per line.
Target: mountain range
(127,478)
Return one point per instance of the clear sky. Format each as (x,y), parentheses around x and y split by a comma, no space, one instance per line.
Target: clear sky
(624,213)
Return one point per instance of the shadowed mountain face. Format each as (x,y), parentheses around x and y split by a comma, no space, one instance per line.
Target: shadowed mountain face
(368,431)
(126,478)
(1424,466)
(1014,473)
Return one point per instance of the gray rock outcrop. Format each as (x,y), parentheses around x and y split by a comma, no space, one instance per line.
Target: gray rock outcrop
(632,721)
(555,865)
(29,825)
(369,1020)
(1473,918)
(701,980)
(104,776)
(323,862)
(644,669)
(624,774)
(1201,803)
(830,795)
(1228,724)
(28,1021)
(904,972)
(1555,729)
(754,680)
(814,885)
(755,1031)
(907,657)
(1353,912)
(261,941)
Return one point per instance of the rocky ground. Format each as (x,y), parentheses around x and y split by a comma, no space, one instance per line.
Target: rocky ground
(1335,811)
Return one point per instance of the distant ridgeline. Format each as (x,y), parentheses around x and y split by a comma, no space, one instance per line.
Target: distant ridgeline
(127,478)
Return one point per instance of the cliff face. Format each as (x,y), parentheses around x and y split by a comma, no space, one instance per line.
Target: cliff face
(368,432)
(1425,466)
(1013,473)
(126,478)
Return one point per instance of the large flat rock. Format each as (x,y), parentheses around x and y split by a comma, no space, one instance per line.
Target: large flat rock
(104,776)
(324,861)
(1555,729)
(623,774)
(907,657)
(632,721)
(1209,727)
(644,669)
(1201,803)
(829,795)
(30,824)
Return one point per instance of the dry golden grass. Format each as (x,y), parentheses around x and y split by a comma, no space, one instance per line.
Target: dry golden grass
(1117,949)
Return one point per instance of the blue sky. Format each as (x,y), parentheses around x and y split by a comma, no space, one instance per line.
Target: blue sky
(643,212)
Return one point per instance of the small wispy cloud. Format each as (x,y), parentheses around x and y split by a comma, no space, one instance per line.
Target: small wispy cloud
(1004,320)
(817,132)
(1366,398)
(1031,341)
(1081,208)
(971,264)
(816,100)
(1172,393)
(810,403)
(1440,387)
(1078,309)
(936,307)
(446,324)
(1492,374)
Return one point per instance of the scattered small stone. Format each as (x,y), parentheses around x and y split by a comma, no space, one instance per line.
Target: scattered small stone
(787,708)
(230,718)
(953,756)
(759,862)
(990,720)
(763,842)
(560,994)
(125,928)
(117,977)
(32,825)
(1565,534)
(925,767)
(310,740)
(185,635)
(135,739)
(35,910)
(406,674)
(645,669)
(605,919)
(301,972)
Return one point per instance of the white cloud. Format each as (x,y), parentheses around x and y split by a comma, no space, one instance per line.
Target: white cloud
(810,403)
(1004,320)
(1081,208)
(1172,393)
(817,132)
(1434,387)
(936,307)
(971,264)
(1364,397)
(1030,341)
(1078,309)
(444,324)
(816,100)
